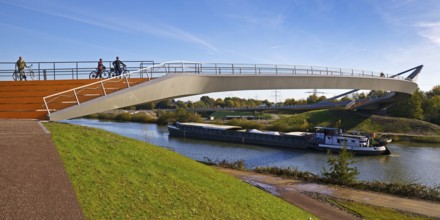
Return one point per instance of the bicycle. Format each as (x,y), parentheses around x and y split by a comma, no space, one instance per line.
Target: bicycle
(123,72)
(104,74)
(26,72)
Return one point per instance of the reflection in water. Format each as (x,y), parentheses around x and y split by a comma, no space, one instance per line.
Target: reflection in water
(406,164)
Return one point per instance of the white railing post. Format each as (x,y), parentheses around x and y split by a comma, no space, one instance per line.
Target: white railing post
(103,88)
(126,80)
(76,97)
(47,107)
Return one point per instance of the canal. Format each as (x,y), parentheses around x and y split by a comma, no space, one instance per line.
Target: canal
(406,164)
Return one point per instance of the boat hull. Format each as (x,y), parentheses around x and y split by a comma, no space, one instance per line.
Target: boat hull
(303,141)
(296,142)
(361,151)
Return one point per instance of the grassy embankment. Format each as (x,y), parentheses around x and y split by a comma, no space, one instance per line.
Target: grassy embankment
(117,177)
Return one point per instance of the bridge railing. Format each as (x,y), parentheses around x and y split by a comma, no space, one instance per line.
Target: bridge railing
(178,67)
(66,69)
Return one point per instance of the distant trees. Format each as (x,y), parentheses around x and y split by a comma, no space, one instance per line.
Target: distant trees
(422,105)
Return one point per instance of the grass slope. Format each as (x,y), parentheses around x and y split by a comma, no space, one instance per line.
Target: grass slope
(351,120)
(116,177)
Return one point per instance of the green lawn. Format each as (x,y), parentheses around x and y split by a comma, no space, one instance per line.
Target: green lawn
(120,178)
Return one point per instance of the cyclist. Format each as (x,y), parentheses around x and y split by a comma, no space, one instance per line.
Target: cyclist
(20,65)
(101,68)
(117,65)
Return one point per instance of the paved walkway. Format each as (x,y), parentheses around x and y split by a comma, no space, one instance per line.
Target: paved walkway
(33,182)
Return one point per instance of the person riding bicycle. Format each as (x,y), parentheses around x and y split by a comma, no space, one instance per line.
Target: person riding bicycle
(117,65)
(101,68)
(21,64)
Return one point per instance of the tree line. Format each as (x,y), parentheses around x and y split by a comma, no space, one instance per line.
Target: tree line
(422,105)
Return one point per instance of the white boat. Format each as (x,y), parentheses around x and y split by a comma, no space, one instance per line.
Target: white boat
(335,140)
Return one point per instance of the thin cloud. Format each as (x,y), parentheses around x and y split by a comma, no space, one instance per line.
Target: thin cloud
(121,25)
(430,31)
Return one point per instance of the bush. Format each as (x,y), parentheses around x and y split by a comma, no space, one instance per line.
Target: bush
(340,171)
(125,116)
(142,117)
(107,116)
(286,172)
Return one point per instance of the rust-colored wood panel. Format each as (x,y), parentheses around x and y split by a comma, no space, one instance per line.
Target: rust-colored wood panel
(25,99)
(11,100)
(21,106)
(25,115)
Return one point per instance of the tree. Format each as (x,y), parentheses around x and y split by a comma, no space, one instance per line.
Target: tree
(431,109)
(415,105)
(209,102)
(410,108)
(313,98)
(165,104)
(434,91)
(340,170)
(181,104)
(376,93)
(219,102)
(290,101)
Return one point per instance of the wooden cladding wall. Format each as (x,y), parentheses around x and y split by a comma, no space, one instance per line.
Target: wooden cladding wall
(24,99)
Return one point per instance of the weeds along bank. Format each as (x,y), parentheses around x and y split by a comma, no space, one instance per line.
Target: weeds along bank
(415,191)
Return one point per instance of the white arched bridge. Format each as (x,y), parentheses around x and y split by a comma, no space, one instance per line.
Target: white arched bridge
(179,79)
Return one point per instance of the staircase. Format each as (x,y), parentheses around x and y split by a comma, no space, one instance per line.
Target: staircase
(24,99)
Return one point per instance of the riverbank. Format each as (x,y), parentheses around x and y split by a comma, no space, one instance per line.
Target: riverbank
(398,129)
(147,132)
(294,192)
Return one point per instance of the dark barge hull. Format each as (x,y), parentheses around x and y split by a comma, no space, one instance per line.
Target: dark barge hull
(286,141)
(357,152)
(265,139)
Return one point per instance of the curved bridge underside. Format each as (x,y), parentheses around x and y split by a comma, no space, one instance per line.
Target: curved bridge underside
(187,84)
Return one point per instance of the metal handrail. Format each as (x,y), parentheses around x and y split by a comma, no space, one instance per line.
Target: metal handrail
(179,67)
(66,69)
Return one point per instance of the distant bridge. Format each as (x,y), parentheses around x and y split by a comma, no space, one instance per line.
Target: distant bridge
(179,79)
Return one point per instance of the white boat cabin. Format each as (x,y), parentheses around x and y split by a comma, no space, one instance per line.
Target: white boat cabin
(335,137)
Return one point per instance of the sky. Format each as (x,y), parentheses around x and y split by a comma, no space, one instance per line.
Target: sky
(380,35)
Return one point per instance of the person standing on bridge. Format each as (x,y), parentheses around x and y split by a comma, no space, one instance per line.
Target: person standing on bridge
(117,65)
(101,68)
(20,65)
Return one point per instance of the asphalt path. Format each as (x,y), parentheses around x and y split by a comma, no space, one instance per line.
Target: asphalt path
(33,181)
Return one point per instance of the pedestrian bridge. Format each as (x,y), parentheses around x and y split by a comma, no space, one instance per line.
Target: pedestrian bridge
(180,79)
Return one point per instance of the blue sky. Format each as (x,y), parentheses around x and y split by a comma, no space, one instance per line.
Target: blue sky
(380,35)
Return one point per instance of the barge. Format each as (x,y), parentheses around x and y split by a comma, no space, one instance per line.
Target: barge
(323,139)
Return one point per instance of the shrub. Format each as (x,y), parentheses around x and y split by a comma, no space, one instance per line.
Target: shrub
(107,116)
(340,171)
(142,117)
(125,116)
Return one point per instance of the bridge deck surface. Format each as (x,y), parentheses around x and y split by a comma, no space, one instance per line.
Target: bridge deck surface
(33,181)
